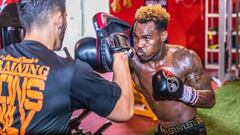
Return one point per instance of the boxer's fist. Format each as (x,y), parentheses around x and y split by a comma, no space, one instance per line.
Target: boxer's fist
(166,86)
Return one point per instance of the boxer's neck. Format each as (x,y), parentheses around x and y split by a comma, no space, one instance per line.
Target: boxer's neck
(161,55)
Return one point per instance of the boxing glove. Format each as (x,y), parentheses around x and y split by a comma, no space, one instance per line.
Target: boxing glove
(166,86)
(119,42)
(112,30)
(100,55)
(106,24)
(111,38)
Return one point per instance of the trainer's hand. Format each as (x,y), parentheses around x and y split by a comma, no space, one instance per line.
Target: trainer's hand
(124,108)
(119,42)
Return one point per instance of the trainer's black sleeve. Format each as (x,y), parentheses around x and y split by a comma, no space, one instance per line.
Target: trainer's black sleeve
(90,90)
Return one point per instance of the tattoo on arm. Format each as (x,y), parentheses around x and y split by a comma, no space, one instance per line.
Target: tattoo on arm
(196,78)
(201,82)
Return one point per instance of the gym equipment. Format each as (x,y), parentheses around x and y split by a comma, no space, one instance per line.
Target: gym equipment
(10,27)
(75,123)
(141,106)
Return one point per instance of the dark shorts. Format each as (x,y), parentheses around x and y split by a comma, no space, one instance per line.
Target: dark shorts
(192,127)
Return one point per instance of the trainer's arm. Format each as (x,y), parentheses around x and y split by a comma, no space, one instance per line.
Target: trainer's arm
(121,75)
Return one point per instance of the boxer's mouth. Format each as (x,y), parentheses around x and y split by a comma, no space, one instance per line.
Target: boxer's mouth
(140,52)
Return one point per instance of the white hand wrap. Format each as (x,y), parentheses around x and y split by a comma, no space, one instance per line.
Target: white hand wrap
(190,95)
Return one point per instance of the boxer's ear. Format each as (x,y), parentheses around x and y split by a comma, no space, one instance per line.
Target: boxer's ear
(164,35)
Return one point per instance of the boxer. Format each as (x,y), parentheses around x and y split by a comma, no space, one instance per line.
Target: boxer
(170,77)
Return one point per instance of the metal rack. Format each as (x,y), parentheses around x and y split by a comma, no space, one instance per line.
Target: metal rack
(218,39)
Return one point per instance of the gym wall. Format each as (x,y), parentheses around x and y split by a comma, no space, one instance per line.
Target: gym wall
(80,13)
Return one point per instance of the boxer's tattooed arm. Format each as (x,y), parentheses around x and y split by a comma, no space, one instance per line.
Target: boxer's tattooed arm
(195,76)
(182,63)
(201,82)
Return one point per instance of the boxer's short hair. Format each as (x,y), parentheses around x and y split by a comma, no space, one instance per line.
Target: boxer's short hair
(155,13)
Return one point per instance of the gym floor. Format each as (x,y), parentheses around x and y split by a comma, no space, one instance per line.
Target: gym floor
(138,125)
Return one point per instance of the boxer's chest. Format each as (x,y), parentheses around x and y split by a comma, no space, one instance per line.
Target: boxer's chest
(149,69)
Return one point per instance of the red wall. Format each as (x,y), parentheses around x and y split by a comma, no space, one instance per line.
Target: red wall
(127,14)
(186,26)
(8,1)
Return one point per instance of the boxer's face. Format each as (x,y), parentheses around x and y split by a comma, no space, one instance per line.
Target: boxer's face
(147,41)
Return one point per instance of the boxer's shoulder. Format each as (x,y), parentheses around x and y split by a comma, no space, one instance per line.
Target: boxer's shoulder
(178,50)
(181,60)
(181,56)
